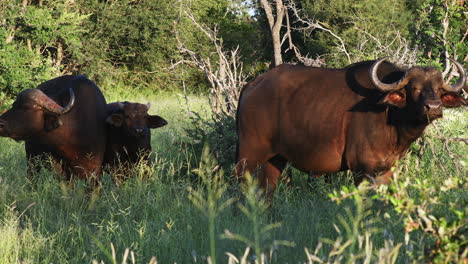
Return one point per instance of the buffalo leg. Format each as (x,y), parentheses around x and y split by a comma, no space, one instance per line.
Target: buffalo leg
(258,160)
(270,174)
(384,178)
(88,169)
(250,156)
(35,163)
(374,178)
(268,179)
(37,159)
(34,166)
(313,175)
(34,159)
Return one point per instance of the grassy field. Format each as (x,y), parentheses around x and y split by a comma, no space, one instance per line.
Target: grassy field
(162,212)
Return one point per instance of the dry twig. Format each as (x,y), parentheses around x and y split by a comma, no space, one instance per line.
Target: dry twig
(310,25)
(226,76)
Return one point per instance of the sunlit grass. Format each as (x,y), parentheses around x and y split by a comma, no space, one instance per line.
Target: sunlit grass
(151,213)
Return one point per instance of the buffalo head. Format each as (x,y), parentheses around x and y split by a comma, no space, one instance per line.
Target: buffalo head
(421,90)
(32,112)
(134,118)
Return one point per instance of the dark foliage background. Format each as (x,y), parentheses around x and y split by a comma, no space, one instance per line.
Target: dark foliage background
(131,44)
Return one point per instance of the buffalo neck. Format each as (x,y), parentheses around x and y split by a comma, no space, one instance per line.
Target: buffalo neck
(407,129)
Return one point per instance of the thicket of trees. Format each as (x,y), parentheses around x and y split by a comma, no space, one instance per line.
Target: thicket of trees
(132,43)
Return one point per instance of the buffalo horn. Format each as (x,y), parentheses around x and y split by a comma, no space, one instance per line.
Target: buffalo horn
(121,105)
(456,87)
(385,87)
(148,105)
(44,101)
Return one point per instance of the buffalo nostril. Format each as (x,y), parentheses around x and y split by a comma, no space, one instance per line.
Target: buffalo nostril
(432,105)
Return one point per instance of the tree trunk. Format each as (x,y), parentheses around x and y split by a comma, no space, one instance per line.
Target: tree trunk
(275,27)
(277,48)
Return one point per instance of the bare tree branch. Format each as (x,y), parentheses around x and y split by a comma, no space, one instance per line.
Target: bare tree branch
(226,76)
(317,62)
(393,44)
(445,141)
(445,26)
(449,71)
(398,48)
(310,25)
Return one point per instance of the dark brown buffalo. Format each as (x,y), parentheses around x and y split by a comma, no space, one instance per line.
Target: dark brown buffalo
(63,118)
(129,135)
(361,118)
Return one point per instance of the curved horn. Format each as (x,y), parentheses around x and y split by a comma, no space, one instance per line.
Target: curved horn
(385,87)
(456,87)
(148,105)
(71,102)
(44,101)
(121,105)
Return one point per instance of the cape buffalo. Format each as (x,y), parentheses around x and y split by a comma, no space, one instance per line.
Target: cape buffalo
(129,135)
(361,118)
(63,118)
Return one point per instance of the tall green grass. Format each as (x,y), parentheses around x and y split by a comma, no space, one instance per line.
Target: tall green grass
(154,212)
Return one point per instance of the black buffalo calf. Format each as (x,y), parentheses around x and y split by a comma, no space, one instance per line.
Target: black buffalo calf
(129,135)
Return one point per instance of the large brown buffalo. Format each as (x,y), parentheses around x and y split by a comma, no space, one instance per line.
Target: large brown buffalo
(63,118)
(361,118)
(129,135)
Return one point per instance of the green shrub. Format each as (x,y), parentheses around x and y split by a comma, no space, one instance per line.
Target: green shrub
(21,69)
(218,133)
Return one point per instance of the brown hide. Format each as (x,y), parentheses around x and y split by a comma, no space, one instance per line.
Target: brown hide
(329,120)
(75,140)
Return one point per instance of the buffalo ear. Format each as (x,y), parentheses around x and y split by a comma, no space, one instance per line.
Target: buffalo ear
(396,98)
(51,122)
(154,121)
(451,99)
(115,119)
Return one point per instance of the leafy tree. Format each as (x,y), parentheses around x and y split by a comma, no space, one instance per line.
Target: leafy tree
(440,30)
(133,42)
(37,41)
(130,43)
(361,24)
(122,43)
(235,27)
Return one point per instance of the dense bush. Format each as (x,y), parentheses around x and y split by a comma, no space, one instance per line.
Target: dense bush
(219,134)
(116,43)
(21,69)
(365,27)
(439,29)
(36,43)
(132,43)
